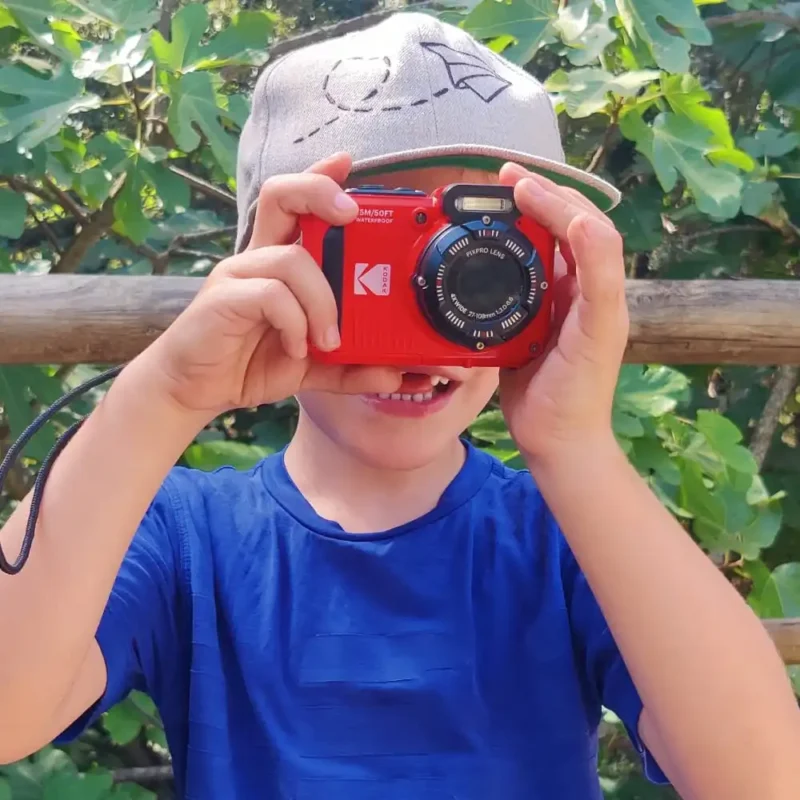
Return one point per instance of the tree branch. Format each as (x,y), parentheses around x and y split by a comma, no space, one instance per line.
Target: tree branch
(186,253)
(204,186)
(142,774)
(66,202)
(754,18)
(43,224)
(191,238)
(284,46)
(90,234)
(765,430)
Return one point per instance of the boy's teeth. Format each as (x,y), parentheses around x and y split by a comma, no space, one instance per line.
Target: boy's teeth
(437,379)
(409,398)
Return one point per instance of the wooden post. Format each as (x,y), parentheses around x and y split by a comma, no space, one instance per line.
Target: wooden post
(67,319)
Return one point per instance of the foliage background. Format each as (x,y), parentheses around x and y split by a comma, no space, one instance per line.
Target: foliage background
(118,135)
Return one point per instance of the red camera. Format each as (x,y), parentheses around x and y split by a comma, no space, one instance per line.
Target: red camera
(458,277)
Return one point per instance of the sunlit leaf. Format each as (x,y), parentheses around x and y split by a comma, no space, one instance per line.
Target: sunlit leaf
(213,455)
(45,103)
(649,391)
(130,15)
(670,48)
(678,146)
(116,62)
(587,90)
(528,21)
(724,437)
(188,26)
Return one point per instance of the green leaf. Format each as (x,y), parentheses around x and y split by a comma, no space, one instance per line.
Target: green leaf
(129,15)
(116,62)
(625,424)
(650,457)
(724,519)
(13,209)
(586,91)
(129,216)
(770,143)
(679,147)
(19,385)
(490,426)
(724,438)
(783,590)
(686,95)
(123,722)
(643,18)
(69,786)
(36,17)
(183,49)
(27,778)
(638,218)
(45,104)
(194,103)
(758,196)
(650,391)
(212,455)
(528,21)
(243,42)
(174,192)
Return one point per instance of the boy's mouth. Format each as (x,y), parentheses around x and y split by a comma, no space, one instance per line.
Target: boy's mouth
(418,394)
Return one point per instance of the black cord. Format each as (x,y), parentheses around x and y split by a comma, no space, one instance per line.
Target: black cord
(44,471)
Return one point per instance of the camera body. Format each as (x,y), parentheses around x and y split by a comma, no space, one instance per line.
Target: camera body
(458,277)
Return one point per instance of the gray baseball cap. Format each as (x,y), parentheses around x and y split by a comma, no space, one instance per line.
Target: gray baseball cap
(409,92)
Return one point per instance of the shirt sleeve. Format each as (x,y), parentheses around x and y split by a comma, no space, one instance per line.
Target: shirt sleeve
(606,678)
(138,634)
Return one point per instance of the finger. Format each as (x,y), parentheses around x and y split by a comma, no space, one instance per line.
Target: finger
(285,197)
(348,379)
(601,275)
(510,174)
(337,167)
(293,266)
(262,300)
(554,210)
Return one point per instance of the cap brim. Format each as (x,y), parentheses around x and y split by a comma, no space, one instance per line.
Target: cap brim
(601,193)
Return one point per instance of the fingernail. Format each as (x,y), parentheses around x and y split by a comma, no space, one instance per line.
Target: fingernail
(344,202)
(531,188)
(331,339)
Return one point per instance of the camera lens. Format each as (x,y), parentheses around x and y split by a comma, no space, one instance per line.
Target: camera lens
(478,284)
(485,284)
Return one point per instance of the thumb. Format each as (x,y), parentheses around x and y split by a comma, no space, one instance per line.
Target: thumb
(600,269)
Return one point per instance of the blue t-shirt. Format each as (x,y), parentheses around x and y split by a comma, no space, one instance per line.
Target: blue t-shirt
(461,655)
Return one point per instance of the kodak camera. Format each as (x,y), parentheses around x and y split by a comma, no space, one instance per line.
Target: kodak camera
(458,278)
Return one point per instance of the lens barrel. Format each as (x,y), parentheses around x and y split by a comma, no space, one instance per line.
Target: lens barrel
(479,283)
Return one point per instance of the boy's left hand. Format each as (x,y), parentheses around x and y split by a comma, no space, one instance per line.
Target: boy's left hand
(563,400)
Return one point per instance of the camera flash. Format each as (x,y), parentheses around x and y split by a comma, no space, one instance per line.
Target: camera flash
(480,205)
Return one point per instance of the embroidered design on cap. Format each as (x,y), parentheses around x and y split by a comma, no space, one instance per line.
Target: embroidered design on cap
(358,84)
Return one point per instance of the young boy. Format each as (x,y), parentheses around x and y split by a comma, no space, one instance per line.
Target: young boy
(382,611)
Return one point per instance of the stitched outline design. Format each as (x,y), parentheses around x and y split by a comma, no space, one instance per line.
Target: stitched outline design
(465,70)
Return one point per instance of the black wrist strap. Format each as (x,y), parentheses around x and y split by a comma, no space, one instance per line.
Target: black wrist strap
(38,488)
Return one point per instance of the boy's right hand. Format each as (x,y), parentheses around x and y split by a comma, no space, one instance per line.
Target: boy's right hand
(243,341)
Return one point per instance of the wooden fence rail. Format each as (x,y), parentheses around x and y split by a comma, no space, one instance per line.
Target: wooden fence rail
(69,319)
(65,319)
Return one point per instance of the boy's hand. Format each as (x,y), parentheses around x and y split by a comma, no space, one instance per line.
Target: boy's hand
(564,398)
(243,341)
